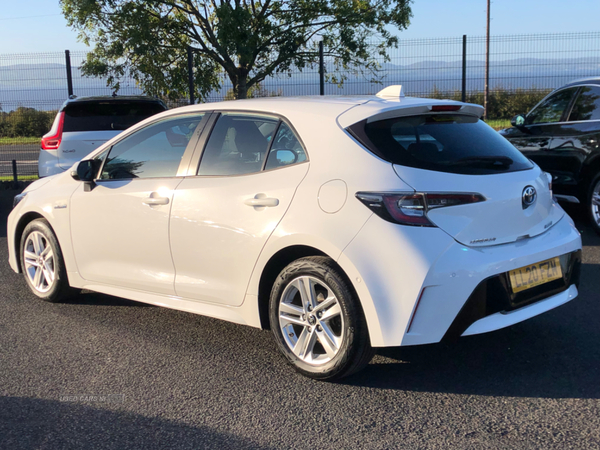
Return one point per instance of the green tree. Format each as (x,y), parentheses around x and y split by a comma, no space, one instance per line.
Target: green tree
(247,40)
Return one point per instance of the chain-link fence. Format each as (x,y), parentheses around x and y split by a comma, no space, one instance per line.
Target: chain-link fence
(523,69)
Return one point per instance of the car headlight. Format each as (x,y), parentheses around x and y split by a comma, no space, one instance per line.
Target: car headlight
(18,198)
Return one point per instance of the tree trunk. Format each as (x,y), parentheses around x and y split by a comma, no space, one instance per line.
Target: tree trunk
(240,89)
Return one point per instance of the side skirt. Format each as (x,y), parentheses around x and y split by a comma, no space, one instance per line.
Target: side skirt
(246,314)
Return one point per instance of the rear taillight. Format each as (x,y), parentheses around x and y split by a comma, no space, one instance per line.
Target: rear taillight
(51,140)
(549,178)
(411,208)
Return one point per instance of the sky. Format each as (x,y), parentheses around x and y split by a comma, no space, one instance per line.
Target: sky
(32,26)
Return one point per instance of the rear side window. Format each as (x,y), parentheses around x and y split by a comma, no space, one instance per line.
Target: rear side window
(286,149)
(445,143)
(104,116)
(237,145)
(587,105)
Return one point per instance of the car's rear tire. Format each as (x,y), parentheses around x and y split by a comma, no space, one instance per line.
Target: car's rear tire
(42,263)
(317,320)
(593,205)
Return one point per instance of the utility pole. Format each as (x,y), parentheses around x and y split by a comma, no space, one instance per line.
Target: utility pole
(486,93)
(464,70)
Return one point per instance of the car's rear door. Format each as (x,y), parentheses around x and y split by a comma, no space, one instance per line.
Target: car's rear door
(226,210)
(89,124)
(120,228)
(576,142)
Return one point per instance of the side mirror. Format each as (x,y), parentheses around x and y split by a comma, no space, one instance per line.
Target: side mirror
(285,157)
(518,121)
(86,171)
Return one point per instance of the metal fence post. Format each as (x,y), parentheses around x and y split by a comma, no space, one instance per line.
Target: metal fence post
(15,177)
(486,92)
(69,75)
(190,61)
(321,70)
(464,69)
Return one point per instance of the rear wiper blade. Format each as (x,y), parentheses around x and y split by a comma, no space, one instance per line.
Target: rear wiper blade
(484,160)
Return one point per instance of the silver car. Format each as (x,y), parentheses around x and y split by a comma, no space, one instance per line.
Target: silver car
(83,124)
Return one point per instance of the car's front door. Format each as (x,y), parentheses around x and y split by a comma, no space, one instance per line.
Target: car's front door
(541,124)
(120,229)
(222,217)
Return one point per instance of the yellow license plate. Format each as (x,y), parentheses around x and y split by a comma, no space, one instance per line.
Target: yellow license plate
(539,273)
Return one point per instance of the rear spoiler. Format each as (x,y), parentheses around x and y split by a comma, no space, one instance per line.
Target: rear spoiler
(372,111)
(467,109)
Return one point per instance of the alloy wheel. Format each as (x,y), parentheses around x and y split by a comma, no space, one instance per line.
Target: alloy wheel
(595,205)
(39,262)
(311,320)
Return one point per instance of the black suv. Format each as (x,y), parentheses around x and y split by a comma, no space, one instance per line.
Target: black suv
(561,134)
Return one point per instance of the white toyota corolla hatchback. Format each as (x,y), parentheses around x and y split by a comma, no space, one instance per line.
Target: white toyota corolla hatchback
(342,224)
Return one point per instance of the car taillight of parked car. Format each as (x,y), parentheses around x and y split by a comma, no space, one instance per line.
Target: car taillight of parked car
(51,140)
(411,208)
(549,178)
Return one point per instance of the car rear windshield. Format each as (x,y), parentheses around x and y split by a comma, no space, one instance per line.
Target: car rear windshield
(102,116)
(441,142)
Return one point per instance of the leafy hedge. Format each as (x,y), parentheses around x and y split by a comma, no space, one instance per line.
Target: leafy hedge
(503,103)
(25,122)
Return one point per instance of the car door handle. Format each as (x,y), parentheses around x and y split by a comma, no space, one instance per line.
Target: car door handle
(156,201)
(261,200)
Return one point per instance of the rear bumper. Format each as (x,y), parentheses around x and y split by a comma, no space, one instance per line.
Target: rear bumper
(414,282)
(504,319)
(492,305)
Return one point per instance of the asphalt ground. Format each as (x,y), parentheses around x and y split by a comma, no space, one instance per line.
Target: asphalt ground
(101,372)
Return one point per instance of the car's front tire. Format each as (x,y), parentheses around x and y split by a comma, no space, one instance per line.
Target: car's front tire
(594,203)
(317,321)
(42,262)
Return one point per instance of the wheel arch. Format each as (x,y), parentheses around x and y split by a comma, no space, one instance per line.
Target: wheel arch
(25,220)
(272,268)
(589,172)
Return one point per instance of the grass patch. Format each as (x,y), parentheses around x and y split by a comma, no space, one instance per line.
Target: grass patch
(499,124)
(19,140)
(20,178)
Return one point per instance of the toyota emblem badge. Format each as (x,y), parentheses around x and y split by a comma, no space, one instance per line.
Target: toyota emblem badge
(529,196)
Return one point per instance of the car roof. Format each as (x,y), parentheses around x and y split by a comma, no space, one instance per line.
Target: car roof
(352,108)
(589,80)
(112,99)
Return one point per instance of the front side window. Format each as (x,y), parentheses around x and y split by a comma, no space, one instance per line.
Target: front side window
(551,109)
(238,144)
(442,142)
(587,105)
(152,152)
